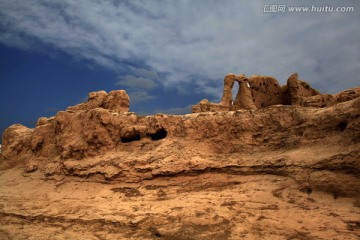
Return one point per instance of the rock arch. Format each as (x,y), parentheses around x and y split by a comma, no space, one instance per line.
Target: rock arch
(244,98)
(257,92)
(227,98)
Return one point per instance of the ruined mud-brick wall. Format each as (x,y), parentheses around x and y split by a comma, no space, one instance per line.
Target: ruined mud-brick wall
(50,139)
(103,126)
(103,122)
(257,92)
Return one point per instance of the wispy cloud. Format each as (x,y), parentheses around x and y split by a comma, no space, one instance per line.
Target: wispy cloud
(190,45)
(136,82)
(138,86)
(140,96)
(144,73)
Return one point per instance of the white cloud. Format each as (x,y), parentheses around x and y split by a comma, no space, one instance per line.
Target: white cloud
(139,96)
(193,44)
(144,73)
(136,82)
(13,40)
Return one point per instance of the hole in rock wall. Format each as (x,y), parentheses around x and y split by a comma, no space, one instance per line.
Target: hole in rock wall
(234,91)
(130,139)
(160,134)
(341,126)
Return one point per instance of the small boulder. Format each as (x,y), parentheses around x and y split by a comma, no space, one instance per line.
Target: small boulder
(16,142)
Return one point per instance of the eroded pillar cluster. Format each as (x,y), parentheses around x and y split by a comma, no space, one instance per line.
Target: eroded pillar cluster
(243,99)
(258,92)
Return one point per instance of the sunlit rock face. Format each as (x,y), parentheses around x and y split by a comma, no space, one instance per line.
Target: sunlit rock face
(272,163)
(257,92)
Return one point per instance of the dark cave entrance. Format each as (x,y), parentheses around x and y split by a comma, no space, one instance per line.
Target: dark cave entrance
(341,126)
(160,134)
(136,137)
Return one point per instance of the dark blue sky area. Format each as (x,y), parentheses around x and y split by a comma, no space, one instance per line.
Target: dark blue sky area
(35,85)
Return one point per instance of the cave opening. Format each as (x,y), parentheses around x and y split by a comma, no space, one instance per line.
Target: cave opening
(136,137)
(341,126)
(158,135)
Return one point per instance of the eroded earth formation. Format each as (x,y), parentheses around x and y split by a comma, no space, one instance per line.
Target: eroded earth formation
(274,163)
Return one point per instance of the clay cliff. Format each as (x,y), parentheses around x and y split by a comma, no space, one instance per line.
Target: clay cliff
(275,163)
(257,92)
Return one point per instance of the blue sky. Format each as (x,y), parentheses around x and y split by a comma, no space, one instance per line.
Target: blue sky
(166,54)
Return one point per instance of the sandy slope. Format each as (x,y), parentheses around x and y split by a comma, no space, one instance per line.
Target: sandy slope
(227,203)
